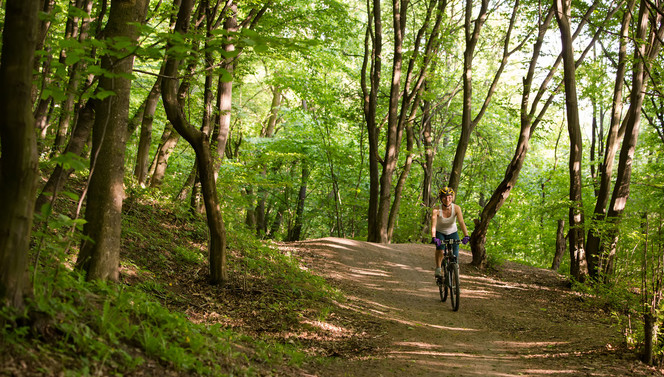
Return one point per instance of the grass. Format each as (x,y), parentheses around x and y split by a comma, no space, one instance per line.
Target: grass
(163,317)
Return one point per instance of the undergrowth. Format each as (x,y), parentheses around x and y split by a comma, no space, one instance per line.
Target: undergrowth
(162,317)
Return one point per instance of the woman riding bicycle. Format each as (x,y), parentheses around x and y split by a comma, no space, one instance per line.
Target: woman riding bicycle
(444,227)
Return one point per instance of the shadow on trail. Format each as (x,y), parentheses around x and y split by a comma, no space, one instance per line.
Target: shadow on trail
(504,327)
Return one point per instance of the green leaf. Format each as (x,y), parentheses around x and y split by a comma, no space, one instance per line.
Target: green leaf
(102,94)
(260,48)
(225,75)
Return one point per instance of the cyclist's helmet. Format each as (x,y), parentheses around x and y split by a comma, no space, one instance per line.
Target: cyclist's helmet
(445,191)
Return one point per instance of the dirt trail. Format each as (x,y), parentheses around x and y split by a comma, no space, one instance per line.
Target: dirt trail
(520,321)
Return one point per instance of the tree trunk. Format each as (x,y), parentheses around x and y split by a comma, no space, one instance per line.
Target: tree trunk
(578,268)
(467,124)
(18,159)
(169,139)
(644,54)
(594,248)
(46,7)
(427,166)
(145,139)
(75,146)
(528,125)
(67,110)
(101,258)
(371,76)
(394,212)
(274,112)
(225,90)
(204,159)
(650,329)
(561,243)
(402,101)
(295,232)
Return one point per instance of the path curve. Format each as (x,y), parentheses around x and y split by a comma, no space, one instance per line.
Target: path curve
(521,321)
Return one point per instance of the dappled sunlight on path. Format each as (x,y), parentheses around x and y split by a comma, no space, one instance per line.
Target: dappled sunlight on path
(504,327)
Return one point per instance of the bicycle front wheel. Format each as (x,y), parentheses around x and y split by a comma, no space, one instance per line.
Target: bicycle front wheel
(442,289)
(454,287)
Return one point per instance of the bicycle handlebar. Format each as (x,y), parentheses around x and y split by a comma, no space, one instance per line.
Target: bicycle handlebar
(451,242)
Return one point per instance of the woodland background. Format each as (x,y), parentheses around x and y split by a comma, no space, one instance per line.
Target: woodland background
(291,120)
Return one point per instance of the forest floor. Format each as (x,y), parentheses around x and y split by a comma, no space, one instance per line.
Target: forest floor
(516,321)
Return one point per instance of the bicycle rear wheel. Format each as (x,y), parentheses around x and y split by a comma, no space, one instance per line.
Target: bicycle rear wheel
(454,287)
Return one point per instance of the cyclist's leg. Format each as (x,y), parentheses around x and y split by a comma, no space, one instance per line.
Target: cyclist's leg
(439,253)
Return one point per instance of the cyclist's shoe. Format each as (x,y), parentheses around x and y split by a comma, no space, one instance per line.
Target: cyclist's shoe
(439,273)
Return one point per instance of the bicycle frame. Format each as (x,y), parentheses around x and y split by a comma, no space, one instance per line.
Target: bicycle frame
(450,280)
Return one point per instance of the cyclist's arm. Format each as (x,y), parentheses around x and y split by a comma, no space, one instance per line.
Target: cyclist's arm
(461,222)
(434,220)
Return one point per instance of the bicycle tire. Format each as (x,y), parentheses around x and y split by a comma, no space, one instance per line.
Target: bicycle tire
(442,287)
(441,290)
(454,287)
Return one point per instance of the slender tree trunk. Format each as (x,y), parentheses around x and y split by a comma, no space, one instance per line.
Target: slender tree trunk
(169,140)
(531,115)
(402,102)
(145,138)
(501,193)
(225,89)
(371,75)
(644,54)
(579,268)
(75,146)
(295,232)
(101,258)
(199,141)
(561,243)
(274,111)
(401,182)
(616,132)
(46,7)
(18,161)
(67,110)
(467,124)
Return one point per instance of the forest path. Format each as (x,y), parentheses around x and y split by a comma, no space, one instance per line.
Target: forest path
(521,321)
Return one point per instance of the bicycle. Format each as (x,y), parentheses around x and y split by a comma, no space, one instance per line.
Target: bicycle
(450,279)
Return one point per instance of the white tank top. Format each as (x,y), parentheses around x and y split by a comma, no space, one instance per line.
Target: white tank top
(446,225)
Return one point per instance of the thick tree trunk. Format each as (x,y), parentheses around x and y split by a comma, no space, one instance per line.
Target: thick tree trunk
(18,160)
(204,159)
(101,258)
(579,268)
(616,132)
